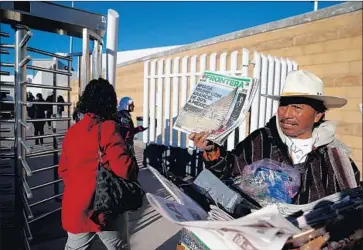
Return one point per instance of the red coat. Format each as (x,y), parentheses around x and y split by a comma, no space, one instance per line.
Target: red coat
(78,169)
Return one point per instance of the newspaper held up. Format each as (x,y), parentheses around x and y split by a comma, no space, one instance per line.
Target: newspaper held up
(218,103)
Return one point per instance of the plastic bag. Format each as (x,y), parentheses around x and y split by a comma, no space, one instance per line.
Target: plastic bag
(269,181)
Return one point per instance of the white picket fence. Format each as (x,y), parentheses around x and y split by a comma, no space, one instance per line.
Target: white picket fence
(167,87)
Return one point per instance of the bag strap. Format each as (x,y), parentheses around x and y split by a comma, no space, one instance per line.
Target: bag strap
(100,149)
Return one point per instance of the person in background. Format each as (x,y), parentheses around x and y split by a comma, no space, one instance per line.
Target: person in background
(39,113)
(298,136)
(49,109)
(76,116)
(7,109)
(30,107)
(78,169)
(3,96)
(30,96)
(60,108)
(124,119)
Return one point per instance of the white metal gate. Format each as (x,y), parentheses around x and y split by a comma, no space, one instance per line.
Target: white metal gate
(169,82)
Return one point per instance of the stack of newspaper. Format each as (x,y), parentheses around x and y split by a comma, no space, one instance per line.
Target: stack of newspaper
(263,229)
(270,227)
(219,104)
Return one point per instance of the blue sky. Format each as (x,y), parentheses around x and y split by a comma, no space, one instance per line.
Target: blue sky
(154,24)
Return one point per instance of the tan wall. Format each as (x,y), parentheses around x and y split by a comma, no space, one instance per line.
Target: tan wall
(74,94)
(331,48)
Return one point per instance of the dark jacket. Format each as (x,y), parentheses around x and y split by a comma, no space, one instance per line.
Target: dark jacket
(127,128)
(31,109)
(49,107)
(60,99)
(39,110)
(76,114)
(318,178)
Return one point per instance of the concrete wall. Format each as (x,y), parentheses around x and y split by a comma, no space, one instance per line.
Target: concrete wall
(327,42)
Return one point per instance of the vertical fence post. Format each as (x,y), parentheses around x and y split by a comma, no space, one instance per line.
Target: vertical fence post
(184,94)
(145,117)
(111,45)
(167,121)
(245,64)
(277,84)
(270,86)
(193,71)
(223,69)
(192,82)
(175,111)
(263,83)
(213,62)
(79,76)
(202,68)
(19,131)
(223,62)
(283,73)
(202,64)
(289,65)
(234,65)
(85,60)
(294,65)
(69,92)
(99,63)
(152,101)
(159,119)
(96,60)
(54,129)
(255,107)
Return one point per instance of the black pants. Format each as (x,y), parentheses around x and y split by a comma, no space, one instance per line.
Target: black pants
(49,115)
(38,130)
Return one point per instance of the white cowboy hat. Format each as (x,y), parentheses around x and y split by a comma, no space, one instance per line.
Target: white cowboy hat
(303,83)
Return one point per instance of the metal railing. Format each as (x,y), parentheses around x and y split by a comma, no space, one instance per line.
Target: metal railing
(8,158)
(22,153)
(24,192)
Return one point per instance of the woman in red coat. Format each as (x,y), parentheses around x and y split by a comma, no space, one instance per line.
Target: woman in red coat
(78,169)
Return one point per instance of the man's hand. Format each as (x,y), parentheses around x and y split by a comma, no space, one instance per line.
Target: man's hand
(200,141)
(140,129)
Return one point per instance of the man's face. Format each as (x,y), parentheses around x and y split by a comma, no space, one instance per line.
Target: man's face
(297,119)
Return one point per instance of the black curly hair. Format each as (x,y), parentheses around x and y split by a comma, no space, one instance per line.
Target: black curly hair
(99,98)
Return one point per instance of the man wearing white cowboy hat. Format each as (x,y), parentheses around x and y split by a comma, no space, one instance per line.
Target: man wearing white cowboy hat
(299,136)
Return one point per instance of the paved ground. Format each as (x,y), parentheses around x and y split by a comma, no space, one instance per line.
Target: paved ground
(148,230)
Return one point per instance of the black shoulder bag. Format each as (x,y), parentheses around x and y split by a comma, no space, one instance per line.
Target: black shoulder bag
(114,195)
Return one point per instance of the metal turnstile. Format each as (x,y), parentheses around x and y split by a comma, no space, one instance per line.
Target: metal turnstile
(30,188)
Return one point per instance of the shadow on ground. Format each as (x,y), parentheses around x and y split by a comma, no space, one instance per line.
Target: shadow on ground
(179,161)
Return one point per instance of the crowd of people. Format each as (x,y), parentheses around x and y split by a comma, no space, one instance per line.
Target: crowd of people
(37,110)
(298,135)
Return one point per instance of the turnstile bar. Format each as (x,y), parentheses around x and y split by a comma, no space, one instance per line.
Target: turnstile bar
(48,70)
(46,53)
(34,85)
(4,34)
